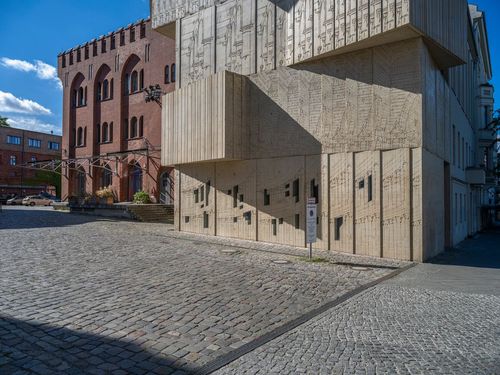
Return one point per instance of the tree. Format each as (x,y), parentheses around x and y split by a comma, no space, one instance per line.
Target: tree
(3,122)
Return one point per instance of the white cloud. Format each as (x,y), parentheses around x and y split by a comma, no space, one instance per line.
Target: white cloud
(11,104)
(42,70)
(30,123)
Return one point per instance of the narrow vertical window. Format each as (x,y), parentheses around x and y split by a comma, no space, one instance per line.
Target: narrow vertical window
(274,225)
(98,131)
(132,34)
(141,126)
(297,221)
(122,38)
(202,193)
(370,188)
(141,79)
(295,190)
(167,74)
(111,131)
(235,196)
(338,225)
(113,43)
(172,73)
(205,219)
(267,198)
(143,30)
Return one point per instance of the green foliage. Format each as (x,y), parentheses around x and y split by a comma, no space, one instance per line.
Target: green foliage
(142,197)
(46,178)
(314,260)
(3,122)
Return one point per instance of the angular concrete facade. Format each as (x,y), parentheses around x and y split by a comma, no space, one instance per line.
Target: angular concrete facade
(371,112)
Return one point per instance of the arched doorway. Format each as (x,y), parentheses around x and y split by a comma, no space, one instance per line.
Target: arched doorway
(134,179)
(166,188)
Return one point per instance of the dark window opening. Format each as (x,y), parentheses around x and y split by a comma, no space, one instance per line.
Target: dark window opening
(338,224)
(295,189)
(235,219)
(133,127)
(94,49)
(281,220)
(235,196)
(205,219)
(103,46)
(241,198)
(314,190)
(64,61)
(141,126)
(132,34)
(267,198)
(167,74)
(275,227)
(297,221)
(186,219)
(86,52)
(248,217)
(196,196)
(141,79)
(143,30)
(113,42)
(207,191)
(172,73)
(78,55)
(71,58)
(202,193)
(122,38)
(370,188)
(361,184)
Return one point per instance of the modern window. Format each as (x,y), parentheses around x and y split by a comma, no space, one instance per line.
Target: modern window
(13,140)
(53,145)
(35,143)
(13,160)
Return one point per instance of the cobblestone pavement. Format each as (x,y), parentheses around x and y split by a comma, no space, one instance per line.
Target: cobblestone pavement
(440,318)
(81,295)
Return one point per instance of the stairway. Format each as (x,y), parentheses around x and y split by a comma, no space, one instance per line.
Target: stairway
(152,213)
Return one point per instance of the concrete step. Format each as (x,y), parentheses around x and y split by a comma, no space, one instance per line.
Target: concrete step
(154,213)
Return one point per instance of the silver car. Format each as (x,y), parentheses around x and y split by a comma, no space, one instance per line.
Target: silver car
(36,200)
(14,201)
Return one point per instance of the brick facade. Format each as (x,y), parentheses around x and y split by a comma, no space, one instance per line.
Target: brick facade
(18,147)
(105,115)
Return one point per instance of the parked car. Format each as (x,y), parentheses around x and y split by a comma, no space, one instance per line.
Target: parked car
(15,200)
(36,200)
(5,197)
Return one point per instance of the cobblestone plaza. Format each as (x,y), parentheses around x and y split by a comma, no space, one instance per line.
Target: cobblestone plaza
(80,295)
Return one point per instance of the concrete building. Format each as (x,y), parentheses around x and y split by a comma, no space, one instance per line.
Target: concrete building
(111,135)
(374,108)
(21,148)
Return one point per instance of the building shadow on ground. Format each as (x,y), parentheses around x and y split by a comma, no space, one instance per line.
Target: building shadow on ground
(30,218)
(482,251)
(43,348)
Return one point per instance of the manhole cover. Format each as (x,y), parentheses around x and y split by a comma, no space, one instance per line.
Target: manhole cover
(359,268)
(280,261)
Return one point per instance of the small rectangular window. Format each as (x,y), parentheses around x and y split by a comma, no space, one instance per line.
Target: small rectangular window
(361,184)
(132,34)
(295,189)
(267,198)
(94,49)
(205,219)
(103,46)
(13,160)
(53,145)
(297,221)
(275,227)
(202,193)
(64,61)
(122,38)
(71,58)
(207,190)
(86,52)
(370,189)
(186,219)
(338,224)
(196,196)
(280,220)
(143,30)
(248,217)
(113,42)
(35,143)
(235,219)
(78,55)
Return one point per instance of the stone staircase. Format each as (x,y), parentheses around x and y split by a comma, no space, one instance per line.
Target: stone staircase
(152,213)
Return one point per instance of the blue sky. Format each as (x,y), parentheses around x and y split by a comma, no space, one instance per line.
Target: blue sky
(35,31)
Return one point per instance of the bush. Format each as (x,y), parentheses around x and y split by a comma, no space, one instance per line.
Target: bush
(105,192)
(142,197)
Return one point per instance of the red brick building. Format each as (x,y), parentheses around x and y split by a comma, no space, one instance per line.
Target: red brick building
(111,135)
(18,149)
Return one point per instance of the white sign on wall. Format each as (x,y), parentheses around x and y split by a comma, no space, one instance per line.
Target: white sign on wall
(311,225)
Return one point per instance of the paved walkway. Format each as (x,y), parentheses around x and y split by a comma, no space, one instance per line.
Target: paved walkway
(437,318)
(81,295)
